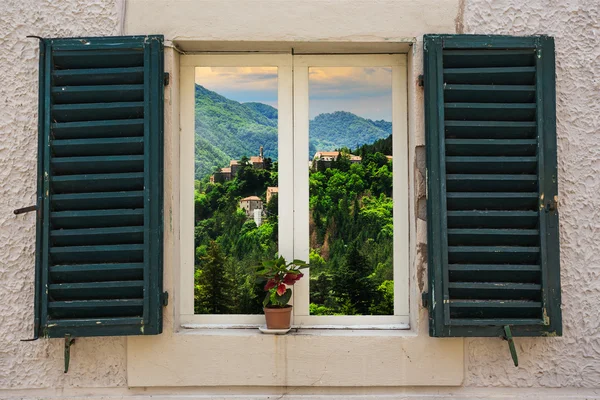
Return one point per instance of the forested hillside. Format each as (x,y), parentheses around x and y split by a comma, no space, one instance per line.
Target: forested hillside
(227,130)
(351,232)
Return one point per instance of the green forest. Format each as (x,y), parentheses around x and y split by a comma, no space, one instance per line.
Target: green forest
(351,229)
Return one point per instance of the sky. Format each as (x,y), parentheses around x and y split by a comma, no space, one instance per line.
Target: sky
(366,92)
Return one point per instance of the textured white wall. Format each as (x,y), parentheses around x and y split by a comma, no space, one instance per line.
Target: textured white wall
(574,359)
(95,362)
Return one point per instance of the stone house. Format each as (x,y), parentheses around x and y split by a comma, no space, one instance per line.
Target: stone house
(251,203)
(480,268)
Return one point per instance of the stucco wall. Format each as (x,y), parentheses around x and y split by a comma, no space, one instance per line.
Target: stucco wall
(571,361)
(574,359)
(95,362)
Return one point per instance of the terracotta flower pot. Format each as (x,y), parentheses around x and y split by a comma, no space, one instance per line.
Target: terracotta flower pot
(278,318)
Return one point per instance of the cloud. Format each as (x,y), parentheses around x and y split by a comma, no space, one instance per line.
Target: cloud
(365,91)
(241,84)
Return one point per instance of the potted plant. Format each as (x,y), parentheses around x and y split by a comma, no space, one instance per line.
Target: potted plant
(280,276)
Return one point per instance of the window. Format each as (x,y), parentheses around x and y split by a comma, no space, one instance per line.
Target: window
(301,156)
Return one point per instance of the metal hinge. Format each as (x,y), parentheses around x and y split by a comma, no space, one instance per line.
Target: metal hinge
(167,78)
(421,80)
(164,299)
(425,299)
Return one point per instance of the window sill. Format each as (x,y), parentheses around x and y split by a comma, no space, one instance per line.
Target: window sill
(303,357)
(223,329)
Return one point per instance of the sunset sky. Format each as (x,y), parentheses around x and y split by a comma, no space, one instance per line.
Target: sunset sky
(366,92)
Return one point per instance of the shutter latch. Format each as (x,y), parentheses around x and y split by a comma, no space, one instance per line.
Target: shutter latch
(511,344)
(166,78)
(164,299)
(68,342)
(421,80)
(25,210)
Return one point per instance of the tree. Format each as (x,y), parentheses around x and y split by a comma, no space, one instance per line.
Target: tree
(213,281)
(352,283)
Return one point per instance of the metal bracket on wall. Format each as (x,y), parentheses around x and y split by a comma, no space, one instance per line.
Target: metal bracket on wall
(511,344)
(25,210)
(68,342)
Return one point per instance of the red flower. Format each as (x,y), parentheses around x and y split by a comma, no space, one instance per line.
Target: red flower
(281,289)
(271,283)
(290,279)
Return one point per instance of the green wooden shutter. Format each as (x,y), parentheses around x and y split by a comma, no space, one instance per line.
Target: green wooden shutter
(493,246)
(99,230)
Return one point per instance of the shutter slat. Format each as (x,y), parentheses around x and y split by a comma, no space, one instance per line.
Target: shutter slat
(490,76)
(95,308)
(490,129)
(492,201)
(97,111)
(488,254)
(99,76)
(101,164)
(97,94)
(491,147)
(98,200)
(486,309)
(96,272)
(494,111)
(527,273)
(96,218)
(486,237)
(488,58)
(80,237)
(98,182)
(458,93)
(490,165)
(494,321)
(86,59)
(96,147)
(97,290)
(122,253)
(483,182)
(98,129)
(493,219)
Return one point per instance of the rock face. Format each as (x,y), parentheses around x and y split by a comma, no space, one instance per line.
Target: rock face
(573,359)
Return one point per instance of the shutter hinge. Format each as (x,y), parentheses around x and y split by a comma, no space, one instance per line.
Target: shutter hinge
(425,299)
(421,80)
(167,78)
(164,299)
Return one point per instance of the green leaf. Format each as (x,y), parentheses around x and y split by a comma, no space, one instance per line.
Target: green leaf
(285,298)
(266,299)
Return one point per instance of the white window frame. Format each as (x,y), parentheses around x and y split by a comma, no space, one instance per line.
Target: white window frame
(301,294)
(293,125)
(283,62)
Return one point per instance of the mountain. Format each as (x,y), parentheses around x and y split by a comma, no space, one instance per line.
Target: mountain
(227,130)
(343,129)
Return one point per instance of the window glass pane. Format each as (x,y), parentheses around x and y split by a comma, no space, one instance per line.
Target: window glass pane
(235,193)
(350,178)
